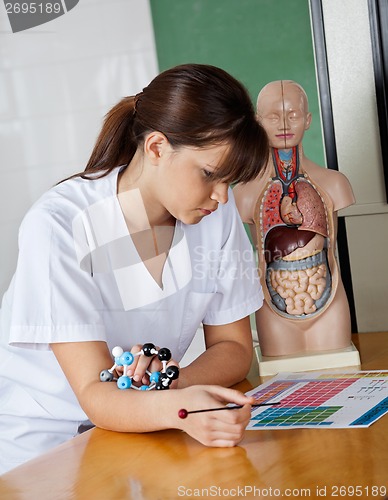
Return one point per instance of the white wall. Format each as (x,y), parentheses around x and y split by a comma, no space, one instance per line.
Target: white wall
(349,52)
(350,63)
(56,83)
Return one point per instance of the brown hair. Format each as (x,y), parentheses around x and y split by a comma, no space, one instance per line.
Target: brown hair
(193,105)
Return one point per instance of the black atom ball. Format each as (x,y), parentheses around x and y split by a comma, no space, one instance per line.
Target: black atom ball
(164,354)
(172,372)
(148,349)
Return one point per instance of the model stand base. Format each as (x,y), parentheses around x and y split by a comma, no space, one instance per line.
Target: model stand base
(339,358)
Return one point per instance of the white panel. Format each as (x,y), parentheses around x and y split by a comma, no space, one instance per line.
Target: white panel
(368,259)
(57,81)
(86,31)
(8,252)
(352,86)
(48,140)
(7,96)
(11,144)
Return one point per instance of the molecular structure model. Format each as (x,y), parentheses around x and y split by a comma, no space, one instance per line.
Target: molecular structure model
(159,380)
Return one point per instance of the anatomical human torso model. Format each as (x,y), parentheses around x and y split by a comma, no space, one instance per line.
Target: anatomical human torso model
(292,212)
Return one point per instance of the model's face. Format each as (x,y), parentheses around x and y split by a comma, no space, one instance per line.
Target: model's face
(188,190)
(282,110)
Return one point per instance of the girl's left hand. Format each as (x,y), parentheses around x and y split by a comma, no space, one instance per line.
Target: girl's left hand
(141,364)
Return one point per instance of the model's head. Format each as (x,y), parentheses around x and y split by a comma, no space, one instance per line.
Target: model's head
(193,105)
(282,109)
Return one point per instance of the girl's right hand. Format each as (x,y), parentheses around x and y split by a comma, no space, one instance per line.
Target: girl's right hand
(215,428)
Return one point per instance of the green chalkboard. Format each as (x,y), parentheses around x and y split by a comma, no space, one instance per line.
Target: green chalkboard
(257,41)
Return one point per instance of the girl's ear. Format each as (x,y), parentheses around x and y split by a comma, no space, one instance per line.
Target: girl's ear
(155,146)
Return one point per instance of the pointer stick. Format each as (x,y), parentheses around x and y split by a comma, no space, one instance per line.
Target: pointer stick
(183,413)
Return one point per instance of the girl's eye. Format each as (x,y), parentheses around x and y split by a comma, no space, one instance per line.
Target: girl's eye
(207,174)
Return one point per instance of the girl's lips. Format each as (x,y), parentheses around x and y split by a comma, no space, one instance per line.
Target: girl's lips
(205,211)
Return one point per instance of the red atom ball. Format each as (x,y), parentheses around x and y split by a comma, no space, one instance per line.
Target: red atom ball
(182,413)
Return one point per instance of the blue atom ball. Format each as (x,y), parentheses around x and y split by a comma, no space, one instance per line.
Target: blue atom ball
(154,377)
(126,358)
(124,382)
(118,361)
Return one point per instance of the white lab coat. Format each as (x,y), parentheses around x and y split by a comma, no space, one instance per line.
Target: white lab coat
(80,278)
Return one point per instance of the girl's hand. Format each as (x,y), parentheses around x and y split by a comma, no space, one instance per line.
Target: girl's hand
(217,428)
(141,363)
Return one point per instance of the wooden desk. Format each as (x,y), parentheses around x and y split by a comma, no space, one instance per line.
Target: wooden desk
(166,465)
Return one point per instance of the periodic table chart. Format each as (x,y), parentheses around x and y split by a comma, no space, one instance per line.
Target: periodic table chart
(321,400)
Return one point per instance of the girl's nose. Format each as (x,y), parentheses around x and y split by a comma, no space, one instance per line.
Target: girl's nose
(220,192)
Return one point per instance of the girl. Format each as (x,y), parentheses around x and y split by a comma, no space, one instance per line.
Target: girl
(143,246)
